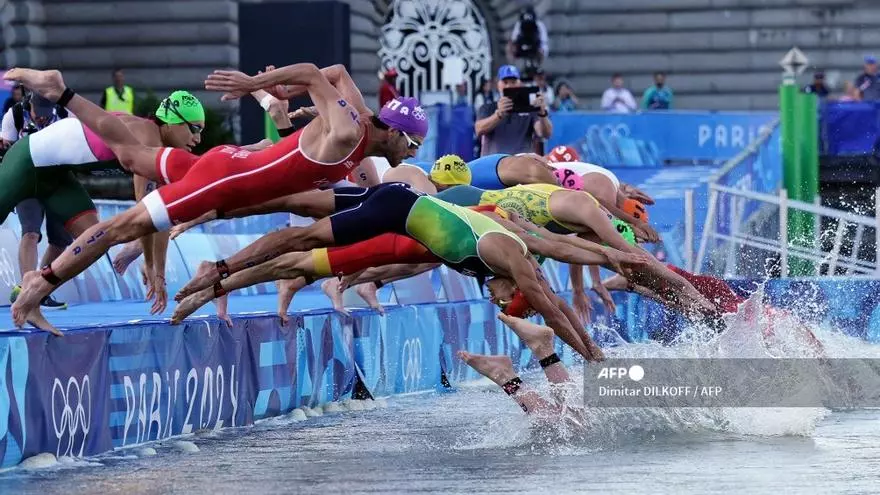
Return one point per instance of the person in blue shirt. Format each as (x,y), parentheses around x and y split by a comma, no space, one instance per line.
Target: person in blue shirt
(818,86)
(659,96)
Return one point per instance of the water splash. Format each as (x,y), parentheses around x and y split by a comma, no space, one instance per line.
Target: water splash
(754,331)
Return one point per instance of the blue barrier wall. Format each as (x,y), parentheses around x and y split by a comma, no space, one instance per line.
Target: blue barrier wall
(120,385)
(849,128)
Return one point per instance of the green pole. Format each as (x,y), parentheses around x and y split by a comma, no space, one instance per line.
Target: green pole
(808,174)
(271,130)
(790,151)
(790,113)
(810,146)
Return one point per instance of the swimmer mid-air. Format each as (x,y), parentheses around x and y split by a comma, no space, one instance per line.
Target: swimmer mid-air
(322,152)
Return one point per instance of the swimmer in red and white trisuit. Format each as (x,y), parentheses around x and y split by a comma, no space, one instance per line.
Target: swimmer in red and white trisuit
(228,177)
(726,300)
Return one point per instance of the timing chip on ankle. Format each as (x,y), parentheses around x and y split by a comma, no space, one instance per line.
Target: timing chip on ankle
(512,386)
(549,360)
(49,275)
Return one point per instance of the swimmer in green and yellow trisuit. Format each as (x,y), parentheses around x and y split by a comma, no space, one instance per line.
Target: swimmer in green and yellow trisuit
(461,238)
(558,210)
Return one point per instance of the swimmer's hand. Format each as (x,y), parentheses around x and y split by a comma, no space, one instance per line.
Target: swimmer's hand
(583,307)
(622,262)
(303,113)
(232,83)
(157,293)
(606,298)
(637,194)
(645,232)
(183,227)
(222,304)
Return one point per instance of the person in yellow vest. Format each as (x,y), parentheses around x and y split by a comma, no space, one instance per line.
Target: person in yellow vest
(119,97)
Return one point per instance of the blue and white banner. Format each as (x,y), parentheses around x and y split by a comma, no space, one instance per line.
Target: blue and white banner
(652,139)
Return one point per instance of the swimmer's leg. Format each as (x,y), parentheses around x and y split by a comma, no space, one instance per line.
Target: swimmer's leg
(499,369)
(539,339)
(110,128)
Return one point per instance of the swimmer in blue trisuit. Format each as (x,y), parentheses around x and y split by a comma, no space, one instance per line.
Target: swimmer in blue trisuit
(500,171)
(499,369)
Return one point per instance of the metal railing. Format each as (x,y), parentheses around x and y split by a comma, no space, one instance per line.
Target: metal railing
(738,237)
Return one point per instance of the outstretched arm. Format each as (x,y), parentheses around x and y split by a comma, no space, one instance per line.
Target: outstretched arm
(334,110)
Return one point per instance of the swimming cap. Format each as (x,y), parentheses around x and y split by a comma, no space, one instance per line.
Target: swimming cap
(188,106)
(569,179)
(451,170)
(562,154)
(636,209)
(405,114)
(625,230)
(518,306)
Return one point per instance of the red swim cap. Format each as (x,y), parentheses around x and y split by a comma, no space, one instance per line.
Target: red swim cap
(518,306)
(562,154)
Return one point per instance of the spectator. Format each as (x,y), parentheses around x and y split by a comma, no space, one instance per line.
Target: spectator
(504,132)
(17,96)
(658,96)
(818,86)
(528,39)
(486,95)
(541,82)
(118,97)
(850,93)
(566,101)
(388,89)
(618,99)
(867,83)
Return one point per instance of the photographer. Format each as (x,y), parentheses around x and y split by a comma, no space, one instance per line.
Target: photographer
(505,129)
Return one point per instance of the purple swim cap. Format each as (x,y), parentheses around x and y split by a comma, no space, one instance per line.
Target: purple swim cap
(405,114)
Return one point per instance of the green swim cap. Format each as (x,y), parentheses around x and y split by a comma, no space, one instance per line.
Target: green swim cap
(625,230)
(179,106)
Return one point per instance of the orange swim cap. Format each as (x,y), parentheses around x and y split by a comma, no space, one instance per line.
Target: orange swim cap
(635,209)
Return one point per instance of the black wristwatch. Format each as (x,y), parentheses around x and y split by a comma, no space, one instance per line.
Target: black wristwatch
(545,114)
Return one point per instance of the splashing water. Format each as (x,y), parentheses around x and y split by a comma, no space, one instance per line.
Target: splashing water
(754,331)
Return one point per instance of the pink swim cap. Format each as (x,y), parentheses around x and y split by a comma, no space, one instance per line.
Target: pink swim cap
(569,179)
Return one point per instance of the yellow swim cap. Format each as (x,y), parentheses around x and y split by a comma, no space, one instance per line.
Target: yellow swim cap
(451,170)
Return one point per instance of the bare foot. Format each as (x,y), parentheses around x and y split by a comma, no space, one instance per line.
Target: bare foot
(130,252)
(330,287)
(29,299)
(47,83)
(368,293)
(538,338)
(286,290)
(190,304)
(39,321)
(499,369)
(205,277)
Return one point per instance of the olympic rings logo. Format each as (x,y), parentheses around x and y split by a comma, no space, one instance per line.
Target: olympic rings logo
(411,358)
(75,404)
(609,131)
(7,268)
(419,114)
